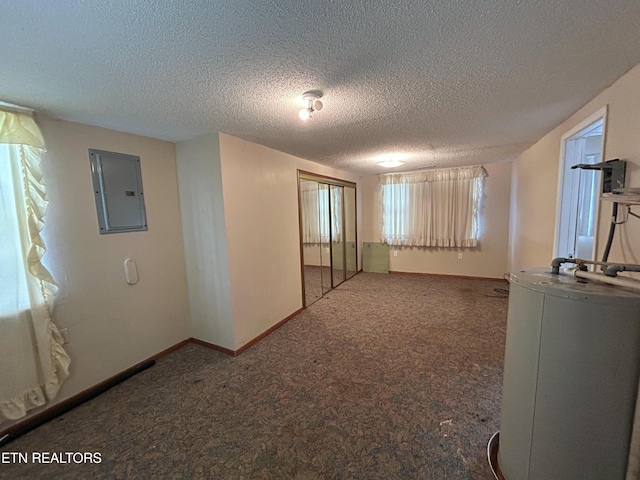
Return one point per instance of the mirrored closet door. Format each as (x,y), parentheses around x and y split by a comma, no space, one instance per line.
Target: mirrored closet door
(337,234)
(312,251)
(328,240)
(325,239)
(350,232)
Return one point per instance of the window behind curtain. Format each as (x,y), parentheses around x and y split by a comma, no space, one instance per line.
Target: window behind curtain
(14,295)
(438,208)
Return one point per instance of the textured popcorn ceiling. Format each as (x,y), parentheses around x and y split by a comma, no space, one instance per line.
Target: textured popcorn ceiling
(439,83)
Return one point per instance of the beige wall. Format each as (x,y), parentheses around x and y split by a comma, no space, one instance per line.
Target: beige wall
(489,259)
(535,179)
(111,325)
(205,240)
(261,215)
(316,254)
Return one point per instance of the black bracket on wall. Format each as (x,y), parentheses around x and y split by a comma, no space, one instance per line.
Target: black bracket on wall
(613,171)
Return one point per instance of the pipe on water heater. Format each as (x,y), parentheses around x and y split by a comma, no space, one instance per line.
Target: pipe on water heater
(620,282)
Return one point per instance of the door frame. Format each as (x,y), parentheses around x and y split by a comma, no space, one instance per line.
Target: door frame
(305,175)
(600,114)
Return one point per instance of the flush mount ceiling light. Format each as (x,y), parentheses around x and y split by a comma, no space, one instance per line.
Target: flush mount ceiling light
(312,100)
(391,163)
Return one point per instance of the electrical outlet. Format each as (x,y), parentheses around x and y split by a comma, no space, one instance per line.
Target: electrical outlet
(64,333)
(395,253)
(459,256)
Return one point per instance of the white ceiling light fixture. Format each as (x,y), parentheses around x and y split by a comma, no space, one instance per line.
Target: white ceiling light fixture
(391,163)
(312,100)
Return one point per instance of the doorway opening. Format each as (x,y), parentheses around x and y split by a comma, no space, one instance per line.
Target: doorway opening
(579,190)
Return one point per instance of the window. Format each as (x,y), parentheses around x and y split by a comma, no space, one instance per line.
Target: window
(438,208)
(14,294)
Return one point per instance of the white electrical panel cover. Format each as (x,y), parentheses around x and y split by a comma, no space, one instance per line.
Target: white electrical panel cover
(117,186)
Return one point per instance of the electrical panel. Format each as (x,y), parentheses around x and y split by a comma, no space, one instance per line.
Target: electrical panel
(117,187)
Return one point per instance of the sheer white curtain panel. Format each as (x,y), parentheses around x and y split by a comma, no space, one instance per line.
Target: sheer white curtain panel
(315,199)
(309,197)
(33,363)
(436,208)
(336,214)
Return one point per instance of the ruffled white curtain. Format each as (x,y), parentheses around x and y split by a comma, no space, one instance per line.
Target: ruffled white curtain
(33,363)
(435,208)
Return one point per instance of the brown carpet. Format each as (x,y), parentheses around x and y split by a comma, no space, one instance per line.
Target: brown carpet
(386,377)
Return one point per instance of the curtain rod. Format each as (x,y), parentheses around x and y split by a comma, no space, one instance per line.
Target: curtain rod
(13,106)
(430,169)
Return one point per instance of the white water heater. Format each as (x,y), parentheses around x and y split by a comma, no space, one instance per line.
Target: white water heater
(572,361)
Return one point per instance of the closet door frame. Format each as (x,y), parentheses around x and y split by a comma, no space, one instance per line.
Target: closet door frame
(302,174)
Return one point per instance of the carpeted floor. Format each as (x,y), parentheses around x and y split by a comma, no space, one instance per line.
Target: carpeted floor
(385,377)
